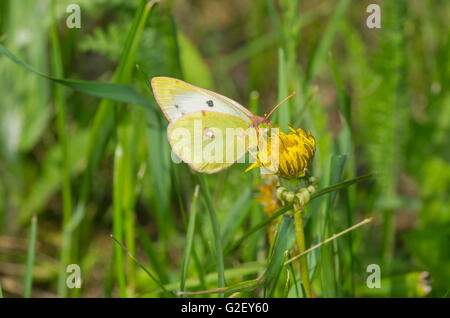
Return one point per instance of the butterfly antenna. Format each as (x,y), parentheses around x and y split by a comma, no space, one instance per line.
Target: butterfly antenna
(271,112)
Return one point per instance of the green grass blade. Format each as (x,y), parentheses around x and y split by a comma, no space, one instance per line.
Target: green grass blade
(256,242)
(346,146)
(216,232)
(195,70)
(118,222)
(283,112)
(284,242)
(239,287)
(170,294)
(177,187)
(30,258)
(189,238)
(326,41)
(343,98)
(117,92)
(211,278)
(254,47)
(159,164)
(236,216)
(341,185)
(100,133)
(276,22)
(277,277)
(351,253)
(296,284)
(329,284)
(260,225)
(65,166)
(108,285)
(50,179)
(153,256)
(122,156)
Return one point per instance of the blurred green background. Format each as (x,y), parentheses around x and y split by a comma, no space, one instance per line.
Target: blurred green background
(376,100)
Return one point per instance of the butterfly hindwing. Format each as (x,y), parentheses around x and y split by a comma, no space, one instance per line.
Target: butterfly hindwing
(209,141)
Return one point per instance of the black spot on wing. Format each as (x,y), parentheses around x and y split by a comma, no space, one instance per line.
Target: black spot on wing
(210,103)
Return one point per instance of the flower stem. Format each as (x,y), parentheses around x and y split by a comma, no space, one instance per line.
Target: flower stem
(304,274)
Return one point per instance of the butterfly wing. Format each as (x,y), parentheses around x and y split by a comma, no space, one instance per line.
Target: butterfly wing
(177,98)
(210,141)
(199,124)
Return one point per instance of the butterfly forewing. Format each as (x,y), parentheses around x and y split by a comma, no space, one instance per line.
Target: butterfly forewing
(177,98)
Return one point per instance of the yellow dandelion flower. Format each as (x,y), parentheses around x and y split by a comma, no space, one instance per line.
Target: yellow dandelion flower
(296,151)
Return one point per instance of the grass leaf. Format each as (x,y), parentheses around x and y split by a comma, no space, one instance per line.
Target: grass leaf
(30,258)
(117,92)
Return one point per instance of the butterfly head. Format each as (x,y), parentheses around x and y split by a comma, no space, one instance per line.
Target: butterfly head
(259,121)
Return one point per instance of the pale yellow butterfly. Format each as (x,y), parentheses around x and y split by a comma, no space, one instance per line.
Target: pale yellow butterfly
(190,109)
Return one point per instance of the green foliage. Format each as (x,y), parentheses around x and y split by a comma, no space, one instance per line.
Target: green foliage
(78,149)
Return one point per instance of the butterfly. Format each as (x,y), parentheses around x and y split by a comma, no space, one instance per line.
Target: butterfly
(199,120)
